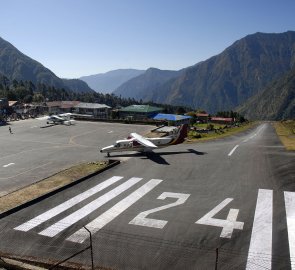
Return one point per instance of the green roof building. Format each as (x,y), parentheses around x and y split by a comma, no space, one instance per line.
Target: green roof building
(139,112)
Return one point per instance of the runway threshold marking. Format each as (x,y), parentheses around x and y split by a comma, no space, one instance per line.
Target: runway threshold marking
(260,250)
(32,223)
(81,235)
(7,165)
(290,214)
(233,150)
(87,209)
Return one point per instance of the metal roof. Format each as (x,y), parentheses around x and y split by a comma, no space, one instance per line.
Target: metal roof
(171,117)
(85,105)
(141,108)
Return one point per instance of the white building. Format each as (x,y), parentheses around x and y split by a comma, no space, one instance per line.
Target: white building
(95,109)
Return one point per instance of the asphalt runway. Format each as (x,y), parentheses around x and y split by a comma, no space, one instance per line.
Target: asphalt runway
(35,150)
(185,207)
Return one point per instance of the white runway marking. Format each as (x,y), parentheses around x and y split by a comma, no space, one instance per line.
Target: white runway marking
(7,165)
(290,213)
(233,150)
(255,134)
(97,224)
(87,209)
(228,225)
(260,250)
(142,220)
(110,131)
(66,205)
(250,138)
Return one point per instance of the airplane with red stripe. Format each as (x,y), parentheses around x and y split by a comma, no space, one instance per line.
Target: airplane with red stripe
(136,142)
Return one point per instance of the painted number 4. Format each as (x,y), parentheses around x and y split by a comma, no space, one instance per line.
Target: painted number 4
(227,225)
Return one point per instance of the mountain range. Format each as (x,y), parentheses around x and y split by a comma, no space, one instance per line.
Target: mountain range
(110,81)
(17,66)
(255,75)
(142,86)
(223,82)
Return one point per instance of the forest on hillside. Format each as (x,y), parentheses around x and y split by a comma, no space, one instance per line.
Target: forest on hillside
(28,92)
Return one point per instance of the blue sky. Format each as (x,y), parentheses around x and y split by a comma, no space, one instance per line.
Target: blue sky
(75,38)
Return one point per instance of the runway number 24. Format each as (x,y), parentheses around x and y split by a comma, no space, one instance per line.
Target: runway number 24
(227,225)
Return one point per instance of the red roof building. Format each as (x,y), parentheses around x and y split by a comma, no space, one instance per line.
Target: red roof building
(222,120)
(203,117)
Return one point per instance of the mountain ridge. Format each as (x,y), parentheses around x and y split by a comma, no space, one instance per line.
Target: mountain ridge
(107,82)
(141,86)
(15,65)
(226,80)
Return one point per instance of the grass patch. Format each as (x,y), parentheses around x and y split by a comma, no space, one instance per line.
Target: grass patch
(286,133)
(49,184)
(194,136)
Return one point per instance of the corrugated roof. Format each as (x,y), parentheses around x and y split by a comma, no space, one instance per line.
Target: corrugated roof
(53,104)
(69,104)
(62,104)
(141,108)
(221,119)
(84,105)
(171,117)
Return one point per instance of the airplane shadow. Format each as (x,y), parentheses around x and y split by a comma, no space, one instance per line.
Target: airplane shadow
(157,156)
(48,125)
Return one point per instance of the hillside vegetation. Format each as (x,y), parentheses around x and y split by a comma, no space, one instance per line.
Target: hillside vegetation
(275,102)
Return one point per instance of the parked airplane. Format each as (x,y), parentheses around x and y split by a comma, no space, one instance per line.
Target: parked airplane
(136,142)
(64,118)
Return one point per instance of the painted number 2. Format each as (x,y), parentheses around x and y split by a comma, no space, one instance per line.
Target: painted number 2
(227,225)
(142,220)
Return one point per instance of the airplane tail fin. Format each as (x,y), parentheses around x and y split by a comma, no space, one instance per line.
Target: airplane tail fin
(182,134)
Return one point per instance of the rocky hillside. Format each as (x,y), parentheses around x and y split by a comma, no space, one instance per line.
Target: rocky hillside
(144,86)
(275,102)
(17,66)
(227,80)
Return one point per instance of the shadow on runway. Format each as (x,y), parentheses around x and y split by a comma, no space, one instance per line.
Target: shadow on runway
(49,125)
(157,157)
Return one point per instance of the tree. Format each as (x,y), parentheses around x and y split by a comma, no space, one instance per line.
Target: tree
(38,98)
(28,99)
(180,110)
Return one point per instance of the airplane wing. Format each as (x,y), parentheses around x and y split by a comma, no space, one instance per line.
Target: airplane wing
(65,114)
(57,117)
(51,117)
(43,118)
(142,140)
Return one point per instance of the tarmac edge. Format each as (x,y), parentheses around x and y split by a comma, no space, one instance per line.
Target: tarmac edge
(113,163)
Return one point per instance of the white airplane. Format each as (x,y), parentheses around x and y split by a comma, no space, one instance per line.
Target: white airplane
(64,118)
(136,142)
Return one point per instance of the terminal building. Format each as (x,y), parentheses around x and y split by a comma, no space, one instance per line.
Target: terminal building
(139,112)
